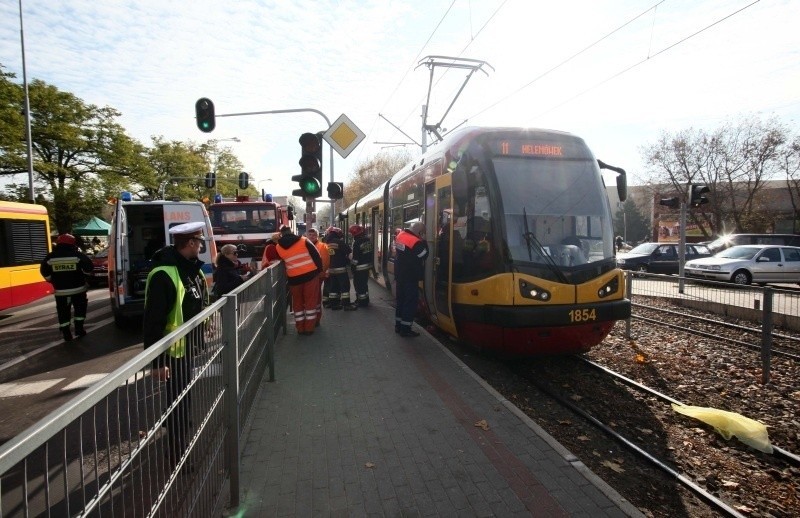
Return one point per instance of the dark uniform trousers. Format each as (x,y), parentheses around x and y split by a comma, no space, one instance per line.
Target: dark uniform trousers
(407,298)
(64,305)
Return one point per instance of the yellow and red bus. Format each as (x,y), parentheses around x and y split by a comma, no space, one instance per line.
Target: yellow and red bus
(24,242)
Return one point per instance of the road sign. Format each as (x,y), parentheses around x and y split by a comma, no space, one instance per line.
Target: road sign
(343,136)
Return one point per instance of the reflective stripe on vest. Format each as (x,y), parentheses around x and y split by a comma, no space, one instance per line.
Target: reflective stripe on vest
(175,316)
(298,260)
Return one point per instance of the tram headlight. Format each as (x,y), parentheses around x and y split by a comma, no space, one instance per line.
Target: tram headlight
(609,288)
(532,291)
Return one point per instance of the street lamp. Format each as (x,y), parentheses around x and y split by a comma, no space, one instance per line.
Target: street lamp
(27,109)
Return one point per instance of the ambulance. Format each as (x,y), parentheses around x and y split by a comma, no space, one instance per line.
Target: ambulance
(138,230)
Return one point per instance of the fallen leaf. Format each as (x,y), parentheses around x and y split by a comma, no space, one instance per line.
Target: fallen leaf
(565,422)
(730,483)
(583,438)
(482,424)
(576,397)
(613,466)
(369,465)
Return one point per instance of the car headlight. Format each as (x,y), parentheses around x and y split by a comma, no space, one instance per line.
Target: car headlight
(715,267)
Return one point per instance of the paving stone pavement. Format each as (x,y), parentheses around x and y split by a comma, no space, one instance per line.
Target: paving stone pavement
(363,422)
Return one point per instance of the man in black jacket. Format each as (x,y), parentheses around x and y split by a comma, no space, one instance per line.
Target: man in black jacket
(409,268)
(67,269)
(176,291)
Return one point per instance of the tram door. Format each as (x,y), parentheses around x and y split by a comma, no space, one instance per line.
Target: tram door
(439,230)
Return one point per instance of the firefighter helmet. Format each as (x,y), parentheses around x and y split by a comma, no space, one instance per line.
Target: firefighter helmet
(66,239)
(334,230)
(355,230)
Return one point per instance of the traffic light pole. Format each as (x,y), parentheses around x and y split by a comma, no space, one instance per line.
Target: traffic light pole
(309,204)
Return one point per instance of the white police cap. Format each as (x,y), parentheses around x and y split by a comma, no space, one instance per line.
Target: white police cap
(193,228)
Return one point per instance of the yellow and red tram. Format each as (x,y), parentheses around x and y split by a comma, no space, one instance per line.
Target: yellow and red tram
(520,236)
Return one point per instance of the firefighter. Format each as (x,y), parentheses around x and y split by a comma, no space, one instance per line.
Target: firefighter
(339,294)
(362,263)
(68,269)
(409,268)
(322,248)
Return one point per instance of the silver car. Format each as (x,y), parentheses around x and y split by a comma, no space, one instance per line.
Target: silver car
(749,263)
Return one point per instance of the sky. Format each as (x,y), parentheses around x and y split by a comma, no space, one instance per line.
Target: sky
(618,73)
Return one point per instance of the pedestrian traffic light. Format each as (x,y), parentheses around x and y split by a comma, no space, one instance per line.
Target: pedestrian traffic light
(244,180)
(673,202)
(335,190)
(204,111)
(696,197)
(310,178)
(211,180)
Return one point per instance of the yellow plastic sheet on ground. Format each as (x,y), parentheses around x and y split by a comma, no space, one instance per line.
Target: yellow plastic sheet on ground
(728,424)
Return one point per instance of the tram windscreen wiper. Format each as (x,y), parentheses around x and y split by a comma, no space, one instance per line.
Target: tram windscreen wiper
(530,240)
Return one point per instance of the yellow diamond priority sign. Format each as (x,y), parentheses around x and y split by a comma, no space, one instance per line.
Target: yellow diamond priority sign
(343,136)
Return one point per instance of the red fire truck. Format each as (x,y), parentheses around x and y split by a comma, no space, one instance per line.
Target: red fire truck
(248,224)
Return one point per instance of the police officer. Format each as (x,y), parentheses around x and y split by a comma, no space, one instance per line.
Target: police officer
(339,294)
(176,291)
(67,269)
(411,251)
(362,263)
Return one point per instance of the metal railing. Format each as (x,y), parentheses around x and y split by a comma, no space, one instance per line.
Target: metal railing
(757,309)
(132,445)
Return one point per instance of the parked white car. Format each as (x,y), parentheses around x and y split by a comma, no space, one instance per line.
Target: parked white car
(749,263)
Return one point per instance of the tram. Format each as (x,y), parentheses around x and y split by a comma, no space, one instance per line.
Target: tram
(24,242)
(520,236)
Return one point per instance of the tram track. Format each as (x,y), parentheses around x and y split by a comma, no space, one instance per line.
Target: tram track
(674,366)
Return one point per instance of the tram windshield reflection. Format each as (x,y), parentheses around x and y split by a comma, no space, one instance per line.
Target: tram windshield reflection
(562,203)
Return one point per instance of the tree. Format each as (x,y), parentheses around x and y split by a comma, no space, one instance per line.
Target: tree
(734,161)
(790,167)
(373,172)
(631,223)
(81,154)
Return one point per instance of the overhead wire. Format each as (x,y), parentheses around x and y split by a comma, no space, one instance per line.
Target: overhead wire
(471,41)
(567,60)
(649,56)
(408,70)
(665,49)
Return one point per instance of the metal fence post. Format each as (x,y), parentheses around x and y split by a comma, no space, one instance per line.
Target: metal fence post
(230,368)
(766,335)
(629,296)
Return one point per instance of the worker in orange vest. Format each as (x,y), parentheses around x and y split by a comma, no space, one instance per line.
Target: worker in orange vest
(303,266)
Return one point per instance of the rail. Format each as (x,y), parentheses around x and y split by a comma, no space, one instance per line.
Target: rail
(758,309)
(132,445)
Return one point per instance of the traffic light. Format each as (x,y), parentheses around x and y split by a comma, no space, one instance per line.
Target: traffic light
(335,190)
(310,178)
(211,180)
(244,180)
(696,197)
(204,111)
(673,202)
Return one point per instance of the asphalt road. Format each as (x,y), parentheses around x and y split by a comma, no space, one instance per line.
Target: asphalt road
(40,372)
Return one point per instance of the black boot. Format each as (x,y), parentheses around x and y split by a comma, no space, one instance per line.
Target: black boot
(67,334)
(350,307)
(79,330)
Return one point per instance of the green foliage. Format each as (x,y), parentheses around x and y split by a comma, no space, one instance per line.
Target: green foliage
(631,223)
(82,156)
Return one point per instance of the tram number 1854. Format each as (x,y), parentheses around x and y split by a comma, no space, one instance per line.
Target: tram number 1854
(582,315)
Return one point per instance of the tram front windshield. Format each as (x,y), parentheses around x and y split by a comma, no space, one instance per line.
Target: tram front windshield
(555,211)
